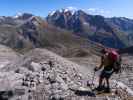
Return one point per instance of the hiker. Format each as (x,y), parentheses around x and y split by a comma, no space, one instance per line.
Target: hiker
(108,59)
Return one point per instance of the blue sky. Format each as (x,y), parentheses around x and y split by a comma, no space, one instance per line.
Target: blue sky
(108,8)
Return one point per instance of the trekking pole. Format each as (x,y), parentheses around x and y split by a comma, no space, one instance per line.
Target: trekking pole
(93,78)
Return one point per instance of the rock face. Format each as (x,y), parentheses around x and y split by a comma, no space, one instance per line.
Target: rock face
(46,80)
(43,75)
(113,32)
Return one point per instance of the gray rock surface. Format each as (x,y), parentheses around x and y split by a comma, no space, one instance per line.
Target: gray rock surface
(43,75)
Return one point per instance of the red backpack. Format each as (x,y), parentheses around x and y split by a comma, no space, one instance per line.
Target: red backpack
(116,58)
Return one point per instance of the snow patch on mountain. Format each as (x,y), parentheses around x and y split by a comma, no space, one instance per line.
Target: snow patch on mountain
(67,9)
(52,13)
(18,15)
(71,9)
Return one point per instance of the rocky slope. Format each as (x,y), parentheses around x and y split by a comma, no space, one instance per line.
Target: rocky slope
(7,56)
(43,75)
(32,72)
(27,31)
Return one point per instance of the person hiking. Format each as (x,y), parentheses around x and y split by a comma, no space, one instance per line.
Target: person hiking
(108,59)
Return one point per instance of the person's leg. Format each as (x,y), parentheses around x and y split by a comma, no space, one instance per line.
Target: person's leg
(100,81)
(108,85)
(99,88)
(102,78)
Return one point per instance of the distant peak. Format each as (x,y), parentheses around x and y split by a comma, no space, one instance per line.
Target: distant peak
(69,9)
(52,13)
(18,15)
(23,15)
(64,10)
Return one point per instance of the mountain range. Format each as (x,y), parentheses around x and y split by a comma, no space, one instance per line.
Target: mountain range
(27,31)
(115,32)
(65,31)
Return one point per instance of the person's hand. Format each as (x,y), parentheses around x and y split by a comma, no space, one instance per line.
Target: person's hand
(96,69)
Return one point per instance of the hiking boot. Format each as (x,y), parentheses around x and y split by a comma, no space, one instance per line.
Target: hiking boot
(99,88)
(107,90)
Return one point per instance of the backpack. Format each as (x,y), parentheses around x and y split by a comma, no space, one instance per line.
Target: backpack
(116,59)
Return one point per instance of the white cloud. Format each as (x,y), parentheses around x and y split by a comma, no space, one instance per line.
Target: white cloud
(97,11)
(72,8)
(92,9)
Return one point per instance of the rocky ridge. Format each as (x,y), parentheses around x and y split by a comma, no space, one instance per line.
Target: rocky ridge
(43,75)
